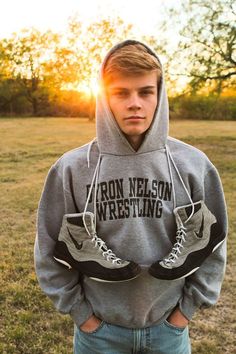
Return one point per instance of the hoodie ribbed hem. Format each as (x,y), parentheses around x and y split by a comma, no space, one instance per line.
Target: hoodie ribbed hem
(80,312)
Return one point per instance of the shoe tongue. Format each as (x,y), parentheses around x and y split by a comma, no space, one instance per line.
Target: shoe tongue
(182,214)
(185,212)
(75,221)
(89,222)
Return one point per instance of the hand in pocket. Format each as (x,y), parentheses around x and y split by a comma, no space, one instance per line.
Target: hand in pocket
(177,319)
(91,324)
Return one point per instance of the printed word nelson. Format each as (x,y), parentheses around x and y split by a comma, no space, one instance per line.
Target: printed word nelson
(132,197)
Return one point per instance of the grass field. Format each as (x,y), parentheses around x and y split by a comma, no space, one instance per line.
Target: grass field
(28,322)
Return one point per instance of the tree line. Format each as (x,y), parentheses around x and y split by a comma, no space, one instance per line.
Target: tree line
(41,73)
(53,74)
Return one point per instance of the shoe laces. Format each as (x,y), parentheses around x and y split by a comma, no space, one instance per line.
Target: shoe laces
(178,246)
(106,252)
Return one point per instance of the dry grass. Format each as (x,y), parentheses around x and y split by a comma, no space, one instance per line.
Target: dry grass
(28,322)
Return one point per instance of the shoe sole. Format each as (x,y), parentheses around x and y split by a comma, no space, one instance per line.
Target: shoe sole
(94,278)
(63,262)
(93,269)
(170,274)
(113,281)
(215,248)
(195,269)
(186,275)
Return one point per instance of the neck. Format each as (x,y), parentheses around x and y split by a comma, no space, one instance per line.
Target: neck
(135,141)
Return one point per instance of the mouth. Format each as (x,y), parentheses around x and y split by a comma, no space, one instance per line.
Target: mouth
(134,118)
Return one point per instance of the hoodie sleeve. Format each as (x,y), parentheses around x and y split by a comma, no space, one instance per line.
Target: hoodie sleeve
(61,285)
(202,288)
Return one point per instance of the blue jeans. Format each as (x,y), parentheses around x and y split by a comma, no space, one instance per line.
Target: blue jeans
(109,339)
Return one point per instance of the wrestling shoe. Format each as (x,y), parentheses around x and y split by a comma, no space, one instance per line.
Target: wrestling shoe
(196,239)
(79,247)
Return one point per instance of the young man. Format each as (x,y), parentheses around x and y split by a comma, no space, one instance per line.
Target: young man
(138,217)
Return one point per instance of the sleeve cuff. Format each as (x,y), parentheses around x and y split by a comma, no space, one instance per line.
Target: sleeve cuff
(81,312)
(187,307)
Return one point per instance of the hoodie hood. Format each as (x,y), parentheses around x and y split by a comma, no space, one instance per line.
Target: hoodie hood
(111,139)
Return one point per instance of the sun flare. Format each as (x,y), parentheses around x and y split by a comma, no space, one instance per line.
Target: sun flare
(89,88)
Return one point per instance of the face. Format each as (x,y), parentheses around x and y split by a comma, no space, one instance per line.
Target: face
(133,101)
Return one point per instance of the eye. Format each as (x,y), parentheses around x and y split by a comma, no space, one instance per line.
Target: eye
(121,93)
(146,93)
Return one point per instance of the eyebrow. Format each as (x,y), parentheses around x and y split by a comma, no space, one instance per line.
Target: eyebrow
(140,88)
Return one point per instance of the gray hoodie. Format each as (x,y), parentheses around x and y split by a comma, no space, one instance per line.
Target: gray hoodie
(136,192)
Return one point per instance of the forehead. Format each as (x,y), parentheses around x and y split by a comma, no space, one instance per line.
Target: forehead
(121,81)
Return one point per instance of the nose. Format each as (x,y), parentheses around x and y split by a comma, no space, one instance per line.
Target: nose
(134,103)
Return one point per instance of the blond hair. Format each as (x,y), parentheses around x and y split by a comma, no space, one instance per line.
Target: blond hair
(132,59)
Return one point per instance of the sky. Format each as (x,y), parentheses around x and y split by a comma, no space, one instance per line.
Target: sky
(54,14)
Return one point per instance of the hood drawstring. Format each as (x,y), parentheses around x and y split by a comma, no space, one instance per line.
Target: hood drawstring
(94,184)
(169,161)
(181,229)
(89,150)
(98,242)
